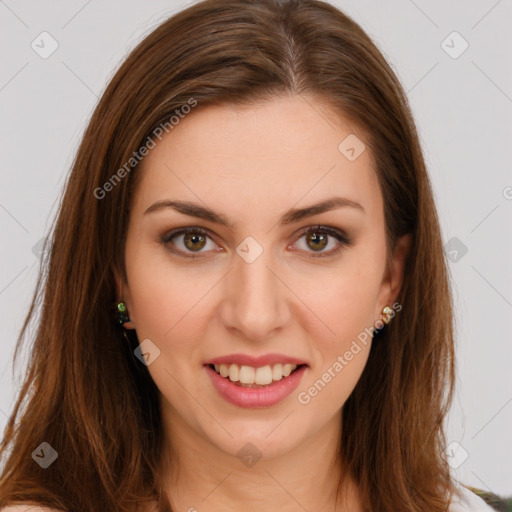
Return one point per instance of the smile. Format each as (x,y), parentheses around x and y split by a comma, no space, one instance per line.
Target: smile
(250,394)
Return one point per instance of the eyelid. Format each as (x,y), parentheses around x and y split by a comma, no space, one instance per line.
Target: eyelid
(339,234)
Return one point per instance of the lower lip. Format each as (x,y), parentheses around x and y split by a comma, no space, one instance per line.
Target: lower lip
(255,397)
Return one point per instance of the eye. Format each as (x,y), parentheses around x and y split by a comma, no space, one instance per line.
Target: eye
(317,239)
(193,239)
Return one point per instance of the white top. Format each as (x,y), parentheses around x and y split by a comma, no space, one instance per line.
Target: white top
(468,501)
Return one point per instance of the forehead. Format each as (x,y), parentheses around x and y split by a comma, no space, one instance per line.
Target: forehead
(282,151)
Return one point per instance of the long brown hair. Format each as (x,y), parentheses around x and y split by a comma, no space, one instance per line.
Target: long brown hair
(84,394)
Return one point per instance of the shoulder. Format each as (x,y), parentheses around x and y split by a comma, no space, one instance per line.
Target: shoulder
(466,500)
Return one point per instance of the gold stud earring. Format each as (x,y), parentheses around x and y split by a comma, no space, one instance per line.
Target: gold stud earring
(386,313)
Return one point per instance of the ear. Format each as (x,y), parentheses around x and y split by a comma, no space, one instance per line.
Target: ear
(394,276)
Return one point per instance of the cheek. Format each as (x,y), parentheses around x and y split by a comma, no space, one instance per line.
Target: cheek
(172,304)
(342,342)
(329,388)
(343,298)
(162,295)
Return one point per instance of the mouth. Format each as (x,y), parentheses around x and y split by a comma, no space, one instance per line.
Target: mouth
(255,377)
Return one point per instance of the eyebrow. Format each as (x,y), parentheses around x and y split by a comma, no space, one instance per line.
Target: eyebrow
(291,216)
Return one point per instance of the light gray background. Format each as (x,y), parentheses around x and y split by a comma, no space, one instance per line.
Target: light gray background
(463,110)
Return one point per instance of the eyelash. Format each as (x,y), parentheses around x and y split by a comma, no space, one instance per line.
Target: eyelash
(339,235)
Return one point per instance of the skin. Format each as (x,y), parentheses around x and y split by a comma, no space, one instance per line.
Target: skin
(252,164)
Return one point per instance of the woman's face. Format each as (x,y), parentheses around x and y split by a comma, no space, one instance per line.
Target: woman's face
(253,282)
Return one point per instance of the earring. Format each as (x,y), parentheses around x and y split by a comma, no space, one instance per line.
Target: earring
(386,313)
(122,316)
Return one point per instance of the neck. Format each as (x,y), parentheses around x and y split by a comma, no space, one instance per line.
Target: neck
(201,476)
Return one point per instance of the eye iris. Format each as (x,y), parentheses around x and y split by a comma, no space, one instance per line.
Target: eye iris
(317,237)
(194,238)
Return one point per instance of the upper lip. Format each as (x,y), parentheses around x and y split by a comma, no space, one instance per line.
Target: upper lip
(247,360)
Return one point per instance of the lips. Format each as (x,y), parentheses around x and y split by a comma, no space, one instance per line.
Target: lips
(255,362)
(255,396)
(249,381)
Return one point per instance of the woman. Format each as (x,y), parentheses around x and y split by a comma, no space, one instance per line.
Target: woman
(251,199)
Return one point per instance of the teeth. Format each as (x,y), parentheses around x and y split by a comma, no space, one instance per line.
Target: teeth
(287,369)
(262,376)
(277,372)
(234,373)
(247,375)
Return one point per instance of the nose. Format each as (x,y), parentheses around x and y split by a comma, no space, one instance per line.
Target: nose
(255,302)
